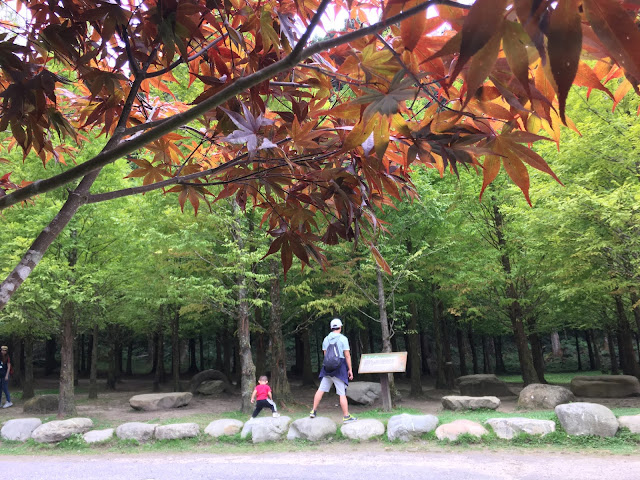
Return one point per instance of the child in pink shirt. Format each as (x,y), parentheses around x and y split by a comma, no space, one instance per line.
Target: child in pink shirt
(263,398)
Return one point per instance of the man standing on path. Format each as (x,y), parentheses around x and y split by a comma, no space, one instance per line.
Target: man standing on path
(335,344)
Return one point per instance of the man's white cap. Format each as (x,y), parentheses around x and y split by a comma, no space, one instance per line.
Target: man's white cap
(336,323)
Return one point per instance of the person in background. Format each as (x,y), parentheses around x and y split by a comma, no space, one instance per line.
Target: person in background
(339,377)
(5,368)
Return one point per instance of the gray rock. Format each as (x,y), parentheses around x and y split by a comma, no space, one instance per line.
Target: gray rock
(212,387)
(207,375)
(632,422)
(177,430)
(19,429)
(587,419)
(508,428)
(312,429)
(363,429)
(453,430)
(266,429)
(483,385)
(539,396)
(58,430)
(97,436)
(150,402)
(41,404)
(225,426)
(403,427)
(456,402)
(363,393)
(142,432)
(605,386)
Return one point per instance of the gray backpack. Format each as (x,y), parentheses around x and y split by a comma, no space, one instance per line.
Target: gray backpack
(332,358)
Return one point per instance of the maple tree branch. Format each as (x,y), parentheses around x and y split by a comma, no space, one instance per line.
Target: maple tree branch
(312,26)
(237,87)
(189,59)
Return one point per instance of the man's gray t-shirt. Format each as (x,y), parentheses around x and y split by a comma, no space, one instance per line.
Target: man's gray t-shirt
(342,342)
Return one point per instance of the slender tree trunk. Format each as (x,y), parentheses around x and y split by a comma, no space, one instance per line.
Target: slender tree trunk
(556,346)
(461,352)
(76,362)
(193,364)
(612,353)
(538,356)
(227,356)
(66,403)
(113,364)
(415,361)
(575,334)
(261,353)
(474,352)
(597,357)
(627,354)
(201,345)
(16,363)
(500,368)
(27,386)
(89,354)
(384,326)
(175,350)
(635,305)
(426,353)
(487,364)
(130,358)
(308,378)
(592,362)
(119,351)
(219,361)
(158,377)
(93,371)
(50,357)
(83,356)
(279,379)
(247,368)
(441,377)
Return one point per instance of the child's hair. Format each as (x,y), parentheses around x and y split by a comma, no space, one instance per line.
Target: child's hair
(263,378)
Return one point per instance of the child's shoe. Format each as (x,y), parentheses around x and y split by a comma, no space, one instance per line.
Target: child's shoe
(349,418)
(276,414)
(312,414)
(7,405)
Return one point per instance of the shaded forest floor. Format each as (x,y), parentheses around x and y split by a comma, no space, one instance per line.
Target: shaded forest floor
(113,407)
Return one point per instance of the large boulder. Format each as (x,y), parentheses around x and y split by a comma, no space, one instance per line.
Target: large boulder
(312,429)
(97,436)
(508,428)
(224,427)
(142,432)
(363,393)
(19,429)
(150,402)
(176,431)
(207,375)
(453,430)
(366,429)
(41,404)
(212,387)
(457,402)
(583,418)
(266,429)
(605,386)
(482,386)
(58,430)
(539,396)
(632,422)
(404,427)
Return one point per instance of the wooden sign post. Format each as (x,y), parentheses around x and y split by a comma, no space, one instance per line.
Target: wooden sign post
(384,363)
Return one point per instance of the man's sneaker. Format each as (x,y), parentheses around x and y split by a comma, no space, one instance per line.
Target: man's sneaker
(349,419)
(312,414)
(7,405)
(276,414)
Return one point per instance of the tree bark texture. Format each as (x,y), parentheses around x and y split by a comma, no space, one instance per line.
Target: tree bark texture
(577,341)
(279,380)
(461,352)
(175,350)
(537,354)
(612,354)
(93,370)
(247,368)
(592,362)
(384,325)
(415,361)
(474,352)
(442,380)
(129,370)
(627,354)
(556,346)
(597,357)
(27,386)
(500,368)
(66,403)
(50,363)
(158,377)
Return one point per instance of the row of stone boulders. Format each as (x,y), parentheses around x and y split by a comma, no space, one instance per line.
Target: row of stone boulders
(575,418)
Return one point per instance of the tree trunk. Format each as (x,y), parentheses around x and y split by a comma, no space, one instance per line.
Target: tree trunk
(308,378)
(261,353)
(592,362)
(201,345)
(279,379)
(247,368)
(635,305)
(461,352)
(219,361)
(16,363)
(556,347)
(27,386)
(597,357)
(384,326)
(66,402)
(158,377)
(426,353)
(474,352)
(441,376)
(537,354)
(193,363)
(50,357)
(500,368)
(415,362)
(487,364)
(130,358)
(175,350)
(612,354)
(113,364)
(93,371)
(89,354)
(227,343)
(575,334)
(83,356)
(627,354)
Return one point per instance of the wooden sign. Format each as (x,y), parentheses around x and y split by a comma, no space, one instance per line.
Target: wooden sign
(383,362)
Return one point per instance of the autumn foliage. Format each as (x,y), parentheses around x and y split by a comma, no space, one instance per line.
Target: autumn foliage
(316,131)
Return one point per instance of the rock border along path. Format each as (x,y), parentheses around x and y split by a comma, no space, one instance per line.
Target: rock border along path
(576,419)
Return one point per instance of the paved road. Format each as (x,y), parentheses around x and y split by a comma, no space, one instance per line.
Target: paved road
(321,466)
